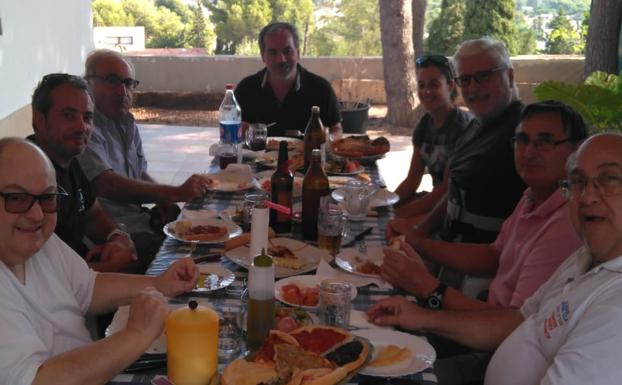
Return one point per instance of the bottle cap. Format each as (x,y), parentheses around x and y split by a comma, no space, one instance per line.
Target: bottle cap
(229,86)
(315,109)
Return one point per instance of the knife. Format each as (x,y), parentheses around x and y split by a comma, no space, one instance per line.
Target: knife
(358,237)
(215,257)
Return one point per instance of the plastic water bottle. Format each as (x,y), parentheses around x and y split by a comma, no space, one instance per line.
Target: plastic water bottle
(230,117)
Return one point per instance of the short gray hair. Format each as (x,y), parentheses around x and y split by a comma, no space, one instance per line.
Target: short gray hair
(96,56)
(485,45)
(275,27)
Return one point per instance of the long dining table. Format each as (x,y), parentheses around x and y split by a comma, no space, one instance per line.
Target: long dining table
(229,298)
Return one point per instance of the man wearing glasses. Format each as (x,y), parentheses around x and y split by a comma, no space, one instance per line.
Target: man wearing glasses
(62,118)
(114,160)
(568,332)
(535,239)
(46,289)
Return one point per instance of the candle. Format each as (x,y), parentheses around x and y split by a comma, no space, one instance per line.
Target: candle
(192,344)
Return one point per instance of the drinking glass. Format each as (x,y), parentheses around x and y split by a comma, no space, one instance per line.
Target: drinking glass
(227,154)
(357,196)
(330,226)
(229,335)
(250,201)
(335,302)
(256,136)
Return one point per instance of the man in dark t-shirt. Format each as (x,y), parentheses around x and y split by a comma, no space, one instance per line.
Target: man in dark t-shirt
(62,116)
(284,92)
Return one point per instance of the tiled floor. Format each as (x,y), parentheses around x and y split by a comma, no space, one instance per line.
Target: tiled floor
(176,152)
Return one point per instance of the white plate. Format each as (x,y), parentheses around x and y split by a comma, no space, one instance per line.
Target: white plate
(303,282)
(268,159)
(335,182)
(423,354)
(310,256)
(213,277)
(233,229)
(382,197)
(204,213)
(228,186)
(297,185)
(349,258)
(353,173)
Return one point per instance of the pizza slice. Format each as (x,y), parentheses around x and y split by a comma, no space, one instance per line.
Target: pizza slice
(284,257)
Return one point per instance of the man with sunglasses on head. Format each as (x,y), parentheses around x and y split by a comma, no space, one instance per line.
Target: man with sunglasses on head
(114,160)
(62,118)
(533,241)
(46,289)
(284,92)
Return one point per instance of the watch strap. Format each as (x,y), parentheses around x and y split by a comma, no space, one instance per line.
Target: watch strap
(120,232)
(435,299)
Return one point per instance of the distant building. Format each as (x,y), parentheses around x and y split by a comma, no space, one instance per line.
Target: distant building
(119,38)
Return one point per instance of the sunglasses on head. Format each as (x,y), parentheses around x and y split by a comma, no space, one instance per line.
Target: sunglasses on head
(426,60)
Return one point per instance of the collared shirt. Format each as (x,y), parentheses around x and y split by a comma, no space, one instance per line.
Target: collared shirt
(116,145)
(71,213)
(532,243)
(483,184)
(571,334)
(260,105)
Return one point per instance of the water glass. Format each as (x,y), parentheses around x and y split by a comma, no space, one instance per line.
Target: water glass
(229,336)
(256,136)
(357,196)
(330,226)
(335,302)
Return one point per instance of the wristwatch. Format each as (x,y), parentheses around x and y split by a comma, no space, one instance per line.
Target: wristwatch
(435,300)
(120,232)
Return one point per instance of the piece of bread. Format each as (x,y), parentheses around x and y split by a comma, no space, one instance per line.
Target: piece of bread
(390,355)
(242,372)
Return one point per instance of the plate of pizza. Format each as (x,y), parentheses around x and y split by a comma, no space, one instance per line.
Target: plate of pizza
(203,231)
(302,290)
(309,355)
(290,256)
(396,353)
(366,264)
(360,147)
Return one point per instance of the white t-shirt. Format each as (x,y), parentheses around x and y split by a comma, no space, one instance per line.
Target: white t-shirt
(572,333)
(44,317)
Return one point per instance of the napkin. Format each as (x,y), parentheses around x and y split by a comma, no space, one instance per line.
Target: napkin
(235,175)
(325,269)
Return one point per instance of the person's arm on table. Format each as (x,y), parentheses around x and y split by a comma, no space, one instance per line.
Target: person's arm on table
(336,131)
(98,362)
(405,269)
(407,188)
(426,203)
(114,186)
(484,329)
(116,250)
(469,258)
(415,229)
(113,290)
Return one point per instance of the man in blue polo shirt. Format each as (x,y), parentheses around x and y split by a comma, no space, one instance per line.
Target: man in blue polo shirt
(284,92)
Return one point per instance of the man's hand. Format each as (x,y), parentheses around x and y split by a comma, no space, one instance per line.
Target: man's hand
(194,187)
(399,226)
(148,311)
(405,269)
(398,311)
(114,255)
(180,277)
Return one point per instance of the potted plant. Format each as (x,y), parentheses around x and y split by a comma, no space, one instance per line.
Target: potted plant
(354,116)
(598,99)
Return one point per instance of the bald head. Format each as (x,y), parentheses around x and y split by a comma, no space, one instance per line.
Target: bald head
(595,183)
(13,151)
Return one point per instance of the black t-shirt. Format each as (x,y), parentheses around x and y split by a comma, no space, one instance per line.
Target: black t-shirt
(71,213)
(260,105)
(436,144)
(484,186)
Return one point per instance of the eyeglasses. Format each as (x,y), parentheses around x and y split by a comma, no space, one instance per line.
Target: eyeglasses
(541,143)
(21,202)
(116,80)
(479,77)
(607,184)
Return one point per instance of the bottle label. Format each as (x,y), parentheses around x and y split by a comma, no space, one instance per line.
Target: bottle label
(284,198)
(229,132)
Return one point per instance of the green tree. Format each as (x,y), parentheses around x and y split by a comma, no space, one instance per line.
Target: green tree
(494,18)
(170,32)
(563,38)
(526,38)
(177,7)
(198,28)
(298,13)
(108,13)
(447,29)
(235,20)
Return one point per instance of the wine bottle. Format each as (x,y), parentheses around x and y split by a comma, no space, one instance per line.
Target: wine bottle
(315,135)
(282,185)
(314,186)
(260,300)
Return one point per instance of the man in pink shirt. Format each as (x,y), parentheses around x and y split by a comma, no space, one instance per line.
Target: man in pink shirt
(533,241)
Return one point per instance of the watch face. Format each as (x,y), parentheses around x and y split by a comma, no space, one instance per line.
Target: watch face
(434,302)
